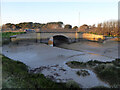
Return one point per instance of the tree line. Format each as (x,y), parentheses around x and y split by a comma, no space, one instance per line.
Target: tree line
(107,28)
(29,25)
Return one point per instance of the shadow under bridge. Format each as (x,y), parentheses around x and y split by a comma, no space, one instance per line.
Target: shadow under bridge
(58,40)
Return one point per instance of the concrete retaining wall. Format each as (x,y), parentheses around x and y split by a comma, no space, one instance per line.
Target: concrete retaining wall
(93,37)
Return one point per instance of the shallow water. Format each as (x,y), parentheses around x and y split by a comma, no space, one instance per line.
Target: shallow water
(36,55)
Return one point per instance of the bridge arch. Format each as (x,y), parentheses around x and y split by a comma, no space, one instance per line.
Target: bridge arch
(58,39)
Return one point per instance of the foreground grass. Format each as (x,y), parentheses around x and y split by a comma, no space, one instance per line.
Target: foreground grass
(16,75)
(106,71)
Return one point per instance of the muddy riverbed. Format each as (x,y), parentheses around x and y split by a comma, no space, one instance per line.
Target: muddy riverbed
(107,49)
(51,60)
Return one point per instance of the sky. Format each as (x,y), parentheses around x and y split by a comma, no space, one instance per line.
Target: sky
(74,12)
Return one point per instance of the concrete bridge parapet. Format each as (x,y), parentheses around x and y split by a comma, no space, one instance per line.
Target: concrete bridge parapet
(59,36)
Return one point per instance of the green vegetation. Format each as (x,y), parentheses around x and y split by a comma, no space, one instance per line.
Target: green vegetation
(72,84)
(6,36)
(108,28)
(29,25)
(82,73)
(16,75)
(106,71)
(68,26)
(94,33)
(99,87)
(0,72)
(89,64)
(109,73)
(76,64)
(75,28)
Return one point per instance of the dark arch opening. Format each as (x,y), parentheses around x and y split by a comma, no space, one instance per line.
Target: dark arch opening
(59,39)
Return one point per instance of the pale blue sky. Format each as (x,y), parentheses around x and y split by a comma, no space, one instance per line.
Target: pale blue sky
(67,12)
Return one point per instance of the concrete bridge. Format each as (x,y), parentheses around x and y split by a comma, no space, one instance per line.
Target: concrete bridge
(56,37)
